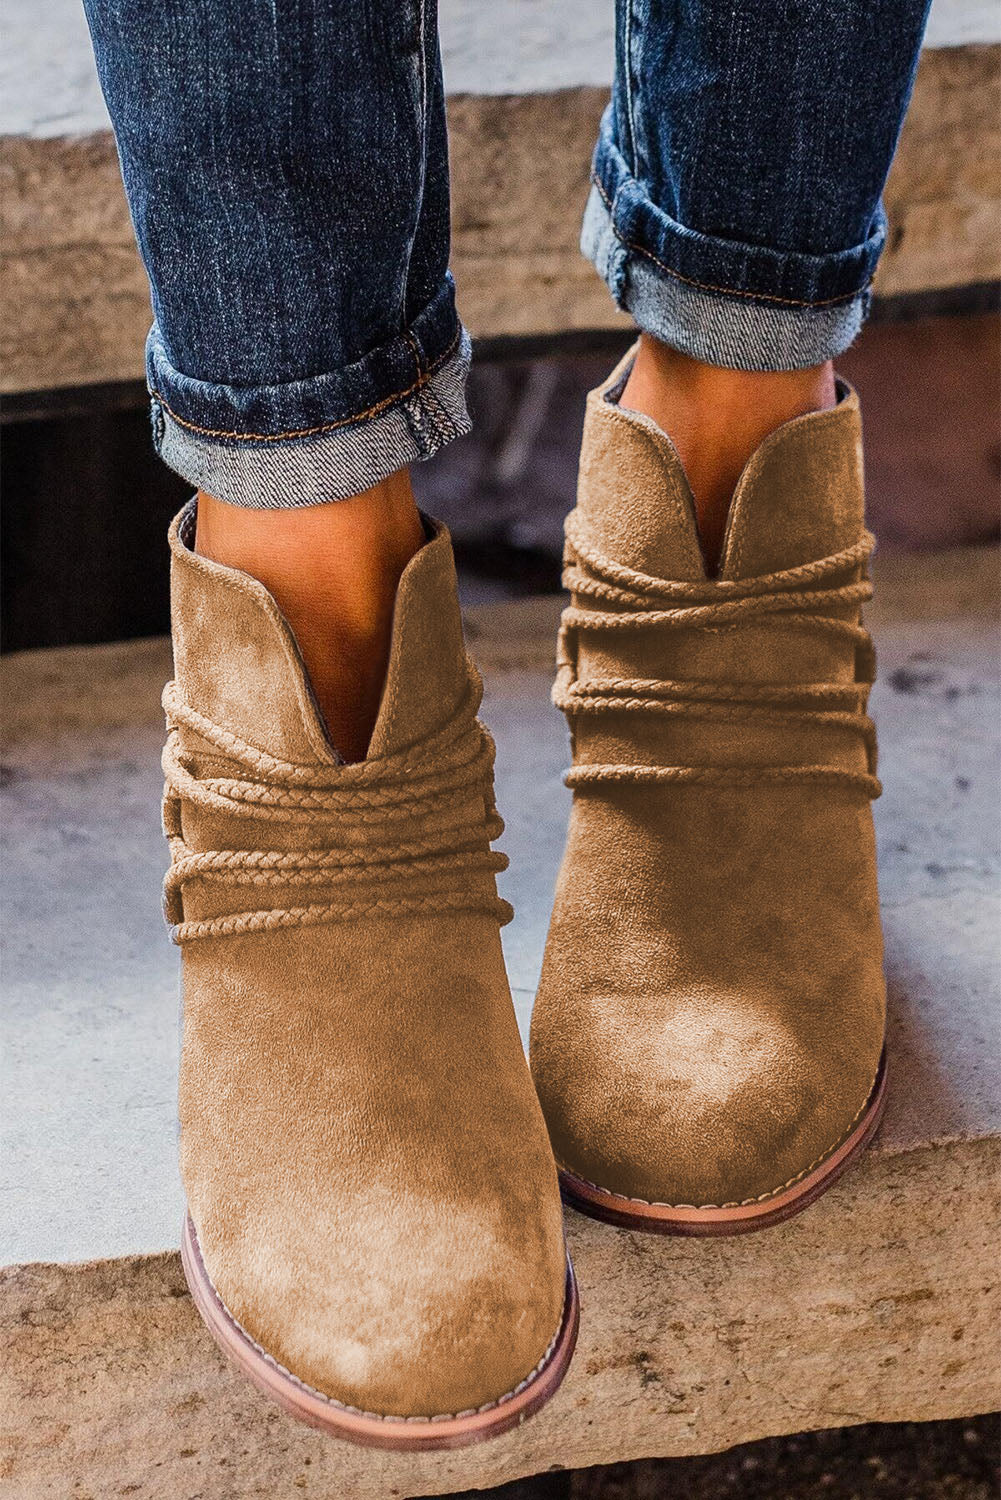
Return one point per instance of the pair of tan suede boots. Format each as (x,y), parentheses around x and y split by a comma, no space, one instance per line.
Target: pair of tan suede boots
(373,1174)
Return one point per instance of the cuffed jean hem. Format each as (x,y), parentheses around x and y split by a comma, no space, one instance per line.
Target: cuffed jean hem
(311,441)
(728,325)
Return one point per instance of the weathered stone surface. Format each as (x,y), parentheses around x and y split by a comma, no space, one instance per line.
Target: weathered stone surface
(879,1303)
(943,194)
(875,1305)
(523,114)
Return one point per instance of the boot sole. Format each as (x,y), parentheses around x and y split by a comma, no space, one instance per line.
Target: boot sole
(371,1430)
(742,1218)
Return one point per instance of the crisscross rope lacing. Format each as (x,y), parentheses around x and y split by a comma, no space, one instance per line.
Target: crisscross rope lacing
(405,832)
(802,596)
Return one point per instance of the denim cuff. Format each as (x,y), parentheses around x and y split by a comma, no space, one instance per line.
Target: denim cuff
(745,307)
(324,438)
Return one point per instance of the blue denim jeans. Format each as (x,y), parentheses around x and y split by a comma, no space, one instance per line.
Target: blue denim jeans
(735,208)
(287,172)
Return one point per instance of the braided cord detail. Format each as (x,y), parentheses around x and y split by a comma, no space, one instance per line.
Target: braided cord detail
(802,596)
(342,911)
(406,833)
(645,585)
(721,775)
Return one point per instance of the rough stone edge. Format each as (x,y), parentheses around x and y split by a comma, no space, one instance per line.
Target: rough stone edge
(570,1425)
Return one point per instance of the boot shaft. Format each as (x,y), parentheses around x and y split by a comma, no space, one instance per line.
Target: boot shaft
(266,824)
(763,666)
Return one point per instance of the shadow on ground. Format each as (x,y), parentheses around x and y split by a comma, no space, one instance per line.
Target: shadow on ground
(903,1461)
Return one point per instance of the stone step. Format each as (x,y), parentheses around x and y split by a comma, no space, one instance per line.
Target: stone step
(527,81)
(878,1304)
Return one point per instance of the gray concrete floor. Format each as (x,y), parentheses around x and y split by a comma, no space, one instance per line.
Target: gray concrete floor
(49,86)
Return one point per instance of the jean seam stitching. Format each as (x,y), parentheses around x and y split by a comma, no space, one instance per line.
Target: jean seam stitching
(275,437)
(706,286)
(628,60)
(423,110)
(441,421)
(416,351)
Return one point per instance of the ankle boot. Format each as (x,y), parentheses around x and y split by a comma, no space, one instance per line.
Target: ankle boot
(707,1039)
(374,1231)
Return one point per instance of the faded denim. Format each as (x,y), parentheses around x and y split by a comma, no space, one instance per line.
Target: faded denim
(287,173)
(735,209)
(286,166)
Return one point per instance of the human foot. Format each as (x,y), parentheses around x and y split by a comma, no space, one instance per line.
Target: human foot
(716,419)
(333,571)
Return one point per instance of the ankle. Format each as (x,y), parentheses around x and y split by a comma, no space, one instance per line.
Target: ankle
(333,570)
(717,418)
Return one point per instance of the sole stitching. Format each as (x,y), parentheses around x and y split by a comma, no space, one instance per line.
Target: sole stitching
(744,1202)
(375,1416)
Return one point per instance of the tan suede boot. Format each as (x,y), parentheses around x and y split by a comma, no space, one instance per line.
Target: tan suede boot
(708,1033)
(374,1228)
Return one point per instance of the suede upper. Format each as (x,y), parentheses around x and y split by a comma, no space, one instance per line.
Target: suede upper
(364,1158)
(710,1015)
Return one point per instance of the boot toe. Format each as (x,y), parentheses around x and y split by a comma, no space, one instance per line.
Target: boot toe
(423,1316)
(714,1102)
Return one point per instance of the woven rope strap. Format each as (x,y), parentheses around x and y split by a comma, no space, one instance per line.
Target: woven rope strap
(608,596)
(404,833)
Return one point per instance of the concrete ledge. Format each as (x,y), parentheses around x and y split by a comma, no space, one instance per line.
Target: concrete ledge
(880,1303)
(73,296)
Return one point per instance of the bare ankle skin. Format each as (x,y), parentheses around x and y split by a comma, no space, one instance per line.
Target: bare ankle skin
(716,418)
(333,571)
